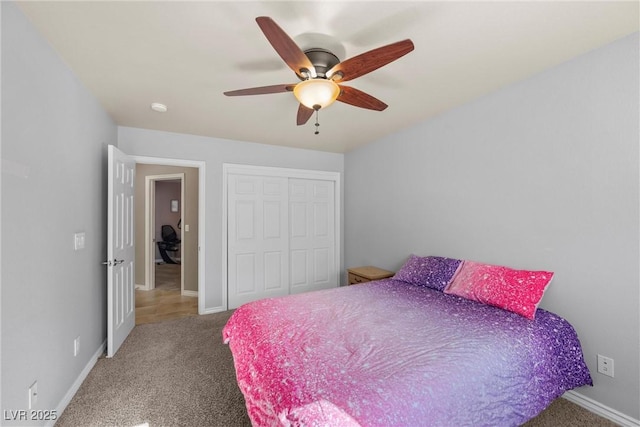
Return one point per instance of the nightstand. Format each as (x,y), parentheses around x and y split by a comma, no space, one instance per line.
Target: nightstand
(367,274)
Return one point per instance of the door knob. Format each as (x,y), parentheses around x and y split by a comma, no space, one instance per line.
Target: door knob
(109,263)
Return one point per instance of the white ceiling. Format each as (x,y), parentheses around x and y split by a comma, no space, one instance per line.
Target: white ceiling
(186,54)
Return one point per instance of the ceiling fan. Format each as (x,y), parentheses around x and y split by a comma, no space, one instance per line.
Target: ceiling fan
(320,72)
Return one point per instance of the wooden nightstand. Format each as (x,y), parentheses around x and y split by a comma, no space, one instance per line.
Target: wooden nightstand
(367,274)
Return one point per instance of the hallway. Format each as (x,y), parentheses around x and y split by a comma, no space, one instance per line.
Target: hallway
(164,302)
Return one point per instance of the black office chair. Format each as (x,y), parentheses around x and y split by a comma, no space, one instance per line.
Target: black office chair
(169,243)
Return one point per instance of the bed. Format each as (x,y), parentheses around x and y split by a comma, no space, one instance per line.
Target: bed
(396,353)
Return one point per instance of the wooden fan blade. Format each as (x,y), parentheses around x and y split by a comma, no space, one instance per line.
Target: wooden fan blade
(263,90)
(304,114)
(358,98)
(372,60)
(285,46)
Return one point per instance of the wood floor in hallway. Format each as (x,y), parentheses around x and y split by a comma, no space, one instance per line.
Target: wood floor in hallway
(165,301)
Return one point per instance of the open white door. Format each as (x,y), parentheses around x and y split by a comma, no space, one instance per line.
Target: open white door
(121,315)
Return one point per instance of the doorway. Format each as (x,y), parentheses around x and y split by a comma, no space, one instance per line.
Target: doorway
(151,174)
(122,295)
(164,206)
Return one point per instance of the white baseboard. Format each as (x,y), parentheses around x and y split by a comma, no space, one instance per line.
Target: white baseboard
(600,409)
(212,310)
(189,293)
(78,382)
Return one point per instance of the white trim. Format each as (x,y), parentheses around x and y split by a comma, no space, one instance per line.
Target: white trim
(231,168)
(277,171)
(600,409)
(78,382)
(201,166)
(225,259)
(212,310)
(186,293)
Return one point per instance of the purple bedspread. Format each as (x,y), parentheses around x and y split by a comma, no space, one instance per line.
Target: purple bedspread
(387,353)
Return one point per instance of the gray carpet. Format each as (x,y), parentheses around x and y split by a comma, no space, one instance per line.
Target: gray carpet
(178,373)
(173,373)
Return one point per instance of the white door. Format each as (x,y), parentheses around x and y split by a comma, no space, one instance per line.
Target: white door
(121,316)
(312,235)
(257,238)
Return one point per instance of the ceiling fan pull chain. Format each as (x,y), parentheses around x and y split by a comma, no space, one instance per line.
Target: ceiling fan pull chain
(317,124)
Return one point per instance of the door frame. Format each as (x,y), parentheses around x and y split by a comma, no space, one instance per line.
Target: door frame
(201,166)
(150,227)
(232,168)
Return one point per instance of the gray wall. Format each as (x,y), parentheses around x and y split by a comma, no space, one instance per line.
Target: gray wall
(54,138)
(541,175)
(214,152)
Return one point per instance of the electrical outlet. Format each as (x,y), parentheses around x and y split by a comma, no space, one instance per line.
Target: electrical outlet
(76,346)
(33,394)
(605,365)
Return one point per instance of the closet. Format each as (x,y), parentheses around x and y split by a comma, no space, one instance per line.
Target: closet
(282,232)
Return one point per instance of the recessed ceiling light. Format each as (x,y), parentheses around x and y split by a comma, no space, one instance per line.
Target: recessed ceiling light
(160,108)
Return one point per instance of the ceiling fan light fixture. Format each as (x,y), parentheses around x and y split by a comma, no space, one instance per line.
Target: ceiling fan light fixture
(316,93)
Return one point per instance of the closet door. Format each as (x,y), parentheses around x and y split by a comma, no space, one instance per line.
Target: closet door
(258,243)
(312,240)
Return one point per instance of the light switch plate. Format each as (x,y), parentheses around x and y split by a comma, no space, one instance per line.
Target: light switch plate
(79,239)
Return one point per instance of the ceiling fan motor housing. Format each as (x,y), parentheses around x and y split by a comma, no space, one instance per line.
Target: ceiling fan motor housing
(322,60)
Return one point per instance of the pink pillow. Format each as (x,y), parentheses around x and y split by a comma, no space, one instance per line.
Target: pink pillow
(519,291)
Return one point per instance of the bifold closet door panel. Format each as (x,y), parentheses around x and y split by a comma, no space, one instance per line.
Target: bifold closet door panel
(258,241)
(312,238)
